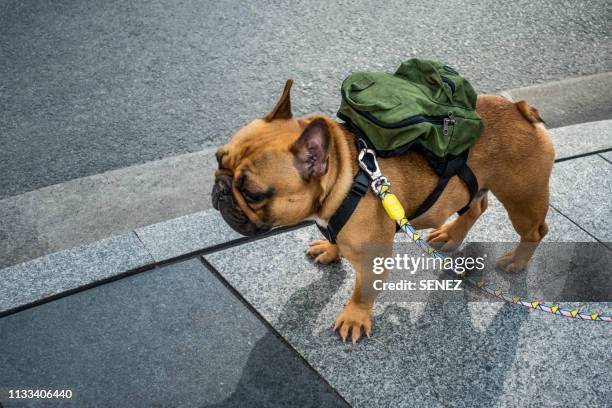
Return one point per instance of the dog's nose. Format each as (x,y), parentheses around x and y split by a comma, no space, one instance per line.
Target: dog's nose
(221,188)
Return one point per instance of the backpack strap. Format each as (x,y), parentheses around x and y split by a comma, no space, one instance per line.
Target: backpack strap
(455,166)
(361,185)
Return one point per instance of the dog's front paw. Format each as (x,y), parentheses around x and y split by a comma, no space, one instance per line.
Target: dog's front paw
(353,318)
(447,238)
(323,251)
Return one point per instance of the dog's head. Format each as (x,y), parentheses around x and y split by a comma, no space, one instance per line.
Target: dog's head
(270,172)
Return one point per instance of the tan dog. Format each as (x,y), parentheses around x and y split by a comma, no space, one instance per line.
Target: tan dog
(279,171)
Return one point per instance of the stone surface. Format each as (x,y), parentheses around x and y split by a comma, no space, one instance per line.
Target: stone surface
(88,209)
(495,226)
(582,138)
(581,190)
(429,353)
(173,336)
(66,270)
(575,100)
(607,156)
(182,235)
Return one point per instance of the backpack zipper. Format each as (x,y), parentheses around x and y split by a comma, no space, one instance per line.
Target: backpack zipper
(445,121)
(448,121)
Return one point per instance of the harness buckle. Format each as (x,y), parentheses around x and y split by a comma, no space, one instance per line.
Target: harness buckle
(374,174)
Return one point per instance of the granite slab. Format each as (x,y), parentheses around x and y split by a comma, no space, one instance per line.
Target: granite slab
(172,336)
(581,190)
(70,269)
(582,138)
(186,234)
(422,354)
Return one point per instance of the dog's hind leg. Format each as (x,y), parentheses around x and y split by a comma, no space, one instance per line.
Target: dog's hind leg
(528,216)
(450,235)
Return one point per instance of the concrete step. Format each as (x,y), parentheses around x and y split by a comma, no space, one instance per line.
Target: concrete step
(571,101)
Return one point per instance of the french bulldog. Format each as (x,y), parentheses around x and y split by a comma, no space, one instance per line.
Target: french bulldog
(279,170)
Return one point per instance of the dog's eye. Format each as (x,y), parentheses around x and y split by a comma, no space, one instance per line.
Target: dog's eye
(252,197)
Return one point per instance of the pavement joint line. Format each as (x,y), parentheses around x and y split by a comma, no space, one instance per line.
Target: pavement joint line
(605,158)
(143,245)
(579,226)
(154,265)
(75,290)
(266,323)
(578,156)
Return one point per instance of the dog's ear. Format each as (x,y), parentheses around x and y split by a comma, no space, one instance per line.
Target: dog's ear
(282,110)
(310,150)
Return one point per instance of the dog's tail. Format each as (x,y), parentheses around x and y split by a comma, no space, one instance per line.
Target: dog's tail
(529,112)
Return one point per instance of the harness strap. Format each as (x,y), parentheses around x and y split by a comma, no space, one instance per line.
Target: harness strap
(445,169)
(469,179)
(361,185)
(454,167)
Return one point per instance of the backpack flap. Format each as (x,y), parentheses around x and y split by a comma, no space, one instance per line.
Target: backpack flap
(423,102)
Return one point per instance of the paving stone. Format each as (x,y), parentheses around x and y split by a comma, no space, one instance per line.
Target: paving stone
(186,234)
(172,336)
(582,138)
(607,156)
(421,353)
(65,270)
(581,190)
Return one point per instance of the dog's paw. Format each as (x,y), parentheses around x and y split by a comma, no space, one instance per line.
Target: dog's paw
(323,251)
(353,318)
(446,238)
(511,262)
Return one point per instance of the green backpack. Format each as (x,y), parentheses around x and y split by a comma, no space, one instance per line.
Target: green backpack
(423,102)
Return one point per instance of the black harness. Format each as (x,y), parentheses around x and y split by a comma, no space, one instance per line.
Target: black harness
(445,168)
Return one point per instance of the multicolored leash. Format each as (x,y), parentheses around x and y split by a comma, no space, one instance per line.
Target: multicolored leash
(381,187)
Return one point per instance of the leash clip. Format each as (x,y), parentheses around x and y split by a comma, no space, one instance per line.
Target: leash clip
(374,174)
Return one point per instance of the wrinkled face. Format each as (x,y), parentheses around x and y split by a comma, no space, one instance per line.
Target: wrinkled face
(269,173)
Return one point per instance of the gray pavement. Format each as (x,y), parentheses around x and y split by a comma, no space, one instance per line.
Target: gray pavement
(466,353)
(173,336)
(423,354)
(86,87)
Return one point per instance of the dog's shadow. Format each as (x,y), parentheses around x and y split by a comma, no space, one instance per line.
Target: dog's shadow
(457,362)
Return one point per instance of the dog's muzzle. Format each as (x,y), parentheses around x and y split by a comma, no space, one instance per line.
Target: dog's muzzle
(223,200)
